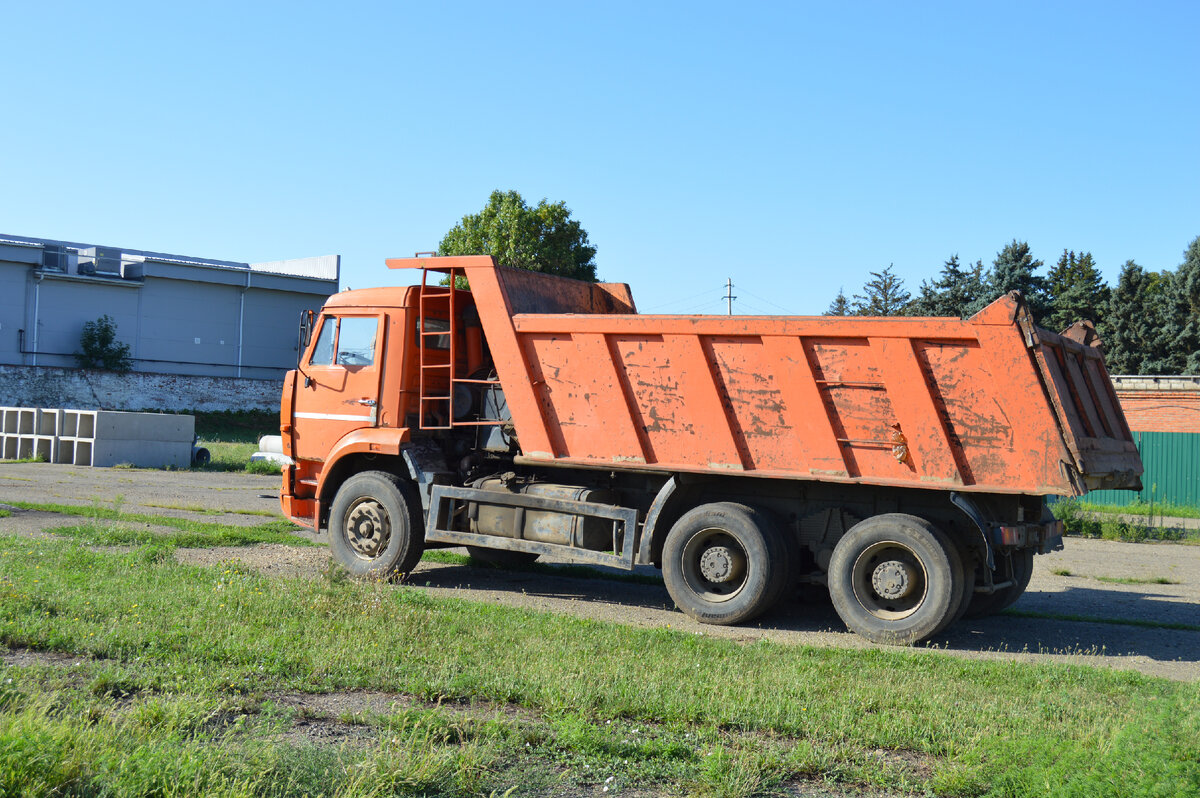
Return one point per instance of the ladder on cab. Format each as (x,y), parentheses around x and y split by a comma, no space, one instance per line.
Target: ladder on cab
(436,300)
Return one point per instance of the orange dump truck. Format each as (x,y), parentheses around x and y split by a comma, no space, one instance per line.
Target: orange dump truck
(900,462)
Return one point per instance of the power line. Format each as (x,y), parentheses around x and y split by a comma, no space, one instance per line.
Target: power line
(680,300)
(769,302)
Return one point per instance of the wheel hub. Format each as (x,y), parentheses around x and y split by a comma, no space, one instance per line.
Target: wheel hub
(716,564)
(892,579)
(366,529)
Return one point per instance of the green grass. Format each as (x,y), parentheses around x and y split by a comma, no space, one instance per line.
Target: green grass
(113,534)
(1133,580)
(193,508)
(108,526)
(231,437)
(1157,510)
(263,467)
(1085,521)
(227,455)
(1121,580)
(188,663)
(236,426)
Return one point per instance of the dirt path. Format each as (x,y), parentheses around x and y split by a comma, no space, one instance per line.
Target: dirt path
(1126,638)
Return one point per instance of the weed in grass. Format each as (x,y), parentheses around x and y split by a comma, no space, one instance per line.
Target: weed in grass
(1062,572)
(724,775)
(335,573)
(112,683)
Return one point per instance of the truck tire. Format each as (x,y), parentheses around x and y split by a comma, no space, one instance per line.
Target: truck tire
(502,558)
(724,563)
(896,579)
(984,604)
(375,526)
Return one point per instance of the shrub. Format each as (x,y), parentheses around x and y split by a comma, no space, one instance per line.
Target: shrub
(101,349)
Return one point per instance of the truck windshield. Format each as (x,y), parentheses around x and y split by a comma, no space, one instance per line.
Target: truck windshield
(323,352)
(352,337)
(356,341)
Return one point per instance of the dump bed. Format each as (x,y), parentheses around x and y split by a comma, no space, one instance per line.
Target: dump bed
(989,403)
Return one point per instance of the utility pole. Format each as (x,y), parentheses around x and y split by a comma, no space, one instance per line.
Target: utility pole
(729,297)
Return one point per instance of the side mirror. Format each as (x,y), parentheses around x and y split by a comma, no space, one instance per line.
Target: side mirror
(306,328)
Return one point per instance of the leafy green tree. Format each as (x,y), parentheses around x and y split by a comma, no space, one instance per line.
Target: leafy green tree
(1077,291)
(840,306)
(543,238)
(954,291)
(101,349)
(1014,269)
(883,295)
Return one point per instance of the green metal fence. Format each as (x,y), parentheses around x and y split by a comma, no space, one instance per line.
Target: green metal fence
(1172,462)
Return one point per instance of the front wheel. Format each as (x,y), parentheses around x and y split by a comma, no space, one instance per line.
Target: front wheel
(896,579)
(724,563)
(375,526)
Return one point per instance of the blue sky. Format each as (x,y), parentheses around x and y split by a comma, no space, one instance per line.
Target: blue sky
(793,147)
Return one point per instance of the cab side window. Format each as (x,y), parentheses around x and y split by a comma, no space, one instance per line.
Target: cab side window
(323,352)
(434,326)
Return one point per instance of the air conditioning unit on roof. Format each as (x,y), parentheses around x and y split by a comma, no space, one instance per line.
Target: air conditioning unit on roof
(54,258)
(108,261)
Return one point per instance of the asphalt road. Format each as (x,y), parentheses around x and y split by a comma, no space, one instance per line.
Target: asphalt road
(1128,626)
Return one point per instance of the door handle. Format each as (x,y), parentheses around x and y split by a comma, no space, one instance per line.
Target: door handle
(365,401)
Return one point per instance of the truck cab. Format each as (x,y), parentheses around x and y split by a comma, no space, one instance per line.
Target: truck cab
(374,366)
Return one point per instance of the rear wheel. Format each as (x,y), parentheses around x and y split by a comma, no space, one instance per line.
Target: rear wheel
(375,526)
(724,563)
(896,579)
(1019,571)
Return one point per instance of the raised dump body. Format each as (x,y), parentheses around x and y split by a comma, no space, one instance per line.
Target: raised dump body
(989,404)
(901,463)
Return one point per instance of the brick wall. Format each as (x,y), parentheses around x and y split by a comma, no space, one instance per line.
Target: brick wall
(38,386)
(1160,404)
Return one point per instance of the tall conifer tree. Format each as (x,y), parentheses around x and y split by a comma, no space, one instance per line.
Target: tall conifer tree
(1015,269)
(1076,290)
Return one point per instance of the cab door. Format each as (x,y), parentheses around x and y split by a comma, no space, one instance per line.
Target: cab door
(337,387)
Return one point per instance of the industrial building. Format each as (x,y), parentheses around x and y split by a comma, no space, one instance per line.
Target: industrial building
(178,314)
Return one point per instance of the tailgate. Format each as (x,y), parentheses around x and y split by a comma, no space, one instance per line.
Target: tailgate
(1092,422)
